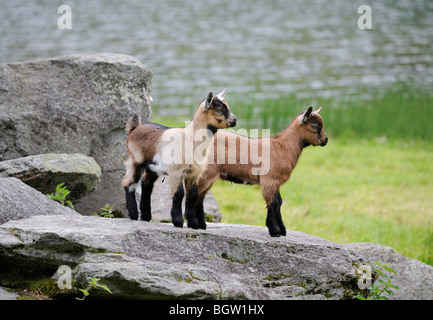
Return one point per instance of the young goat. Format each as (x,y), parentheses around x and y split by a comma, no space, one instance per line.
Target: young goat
(179,153)
(284,151)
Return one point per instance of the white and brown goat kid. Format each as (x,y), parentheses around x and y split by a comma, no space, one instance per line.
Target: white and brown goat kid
(176,152)
(284,151)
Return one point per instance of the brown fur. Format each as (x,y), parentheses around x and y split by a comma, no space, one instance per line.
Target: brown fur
(146,143)
(144,140)
(285,149)
(133,122)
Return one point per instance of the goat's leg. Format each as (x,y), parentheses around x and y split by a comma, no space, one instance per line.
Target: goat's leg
(190,203)
(271,222)
(204,184)
(199,212)
(273,204)
(131,202)
(146,192)
(176,208)
(199,209)
(279,202)
(132,176)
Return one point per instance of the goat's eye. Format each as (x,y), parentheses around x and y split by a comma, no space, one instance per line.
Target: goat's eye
(221,110)
(314,127)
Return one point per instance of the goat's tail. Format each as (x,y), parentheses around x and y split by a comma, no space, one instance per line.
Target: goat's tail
(133,122)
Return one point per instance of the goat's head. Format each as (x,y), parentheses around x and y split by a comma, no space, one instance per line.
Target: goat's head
(311,125)
(217,111)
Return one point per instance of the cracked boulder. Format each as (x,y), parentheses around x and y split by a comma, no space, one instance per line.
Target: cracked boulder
(75,104)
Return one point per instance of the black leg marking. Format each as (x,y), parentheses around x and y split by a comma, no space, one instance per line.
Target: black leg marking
(146,192)
(131,204)
(176,208)
(279,202)
(274,221)
(199,213)
(190,205)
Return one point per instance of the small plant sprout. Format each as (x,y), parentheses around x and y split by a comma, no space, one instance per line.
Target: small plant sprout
(107,212)
(93,283)
(60,195)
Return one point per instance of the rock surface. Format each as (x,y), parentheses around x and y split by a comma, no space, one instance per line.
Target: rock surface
(44,172)
(414,278)
(19,201)
(137,259)
(75,104)
(142,260)
(6,295)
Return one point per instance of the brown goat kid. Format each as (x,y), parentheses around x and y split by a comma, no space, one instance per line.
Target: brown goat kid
(179,153)
(285,149)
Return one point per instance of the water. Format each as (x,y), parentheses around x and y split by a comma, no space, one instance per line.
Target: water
(257,49)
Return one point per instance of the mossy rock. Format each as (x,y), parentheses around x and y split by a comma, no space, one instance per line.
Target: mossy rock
(44,172)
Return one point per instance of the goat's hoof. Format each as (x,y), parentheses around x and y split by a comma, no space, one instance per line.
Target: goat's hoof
(202,225)
(145,218)
(283,232)
(193,224)
(275,233)
(178,224)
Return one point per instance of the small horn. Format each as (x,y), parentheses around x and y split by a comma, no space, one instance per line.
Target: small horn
(222,93)
(318,110)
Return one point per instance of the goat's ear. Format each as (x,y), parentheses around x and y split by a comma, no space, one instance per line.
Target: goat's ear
(318,110)
(208,101)
(222,93)
(307,114)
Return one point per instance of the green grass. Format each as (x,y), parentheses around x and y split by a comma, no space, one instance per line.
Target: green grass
(371,183)
(398,112)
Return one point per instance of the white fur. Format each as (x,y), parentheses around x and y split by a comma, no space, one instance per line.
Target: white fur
(158,167)
(301,119)
(132,187)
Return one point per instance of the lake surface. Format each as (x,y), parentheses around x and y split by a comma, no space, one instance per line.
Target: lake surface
(257,49)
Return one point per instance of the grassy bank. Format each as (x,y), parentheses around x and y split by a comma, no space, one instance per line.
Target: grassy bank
(397,113)
(371,183)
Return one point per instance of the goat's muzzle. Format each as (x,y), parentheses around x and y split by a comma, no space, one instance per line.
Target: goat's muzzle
(231,121)
(324,142)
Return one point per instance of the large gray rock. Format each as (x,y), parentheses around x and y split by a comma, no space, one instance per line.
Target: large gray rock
(19,201)
(75,104)
(6,295)
(138,259)
(44,172)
